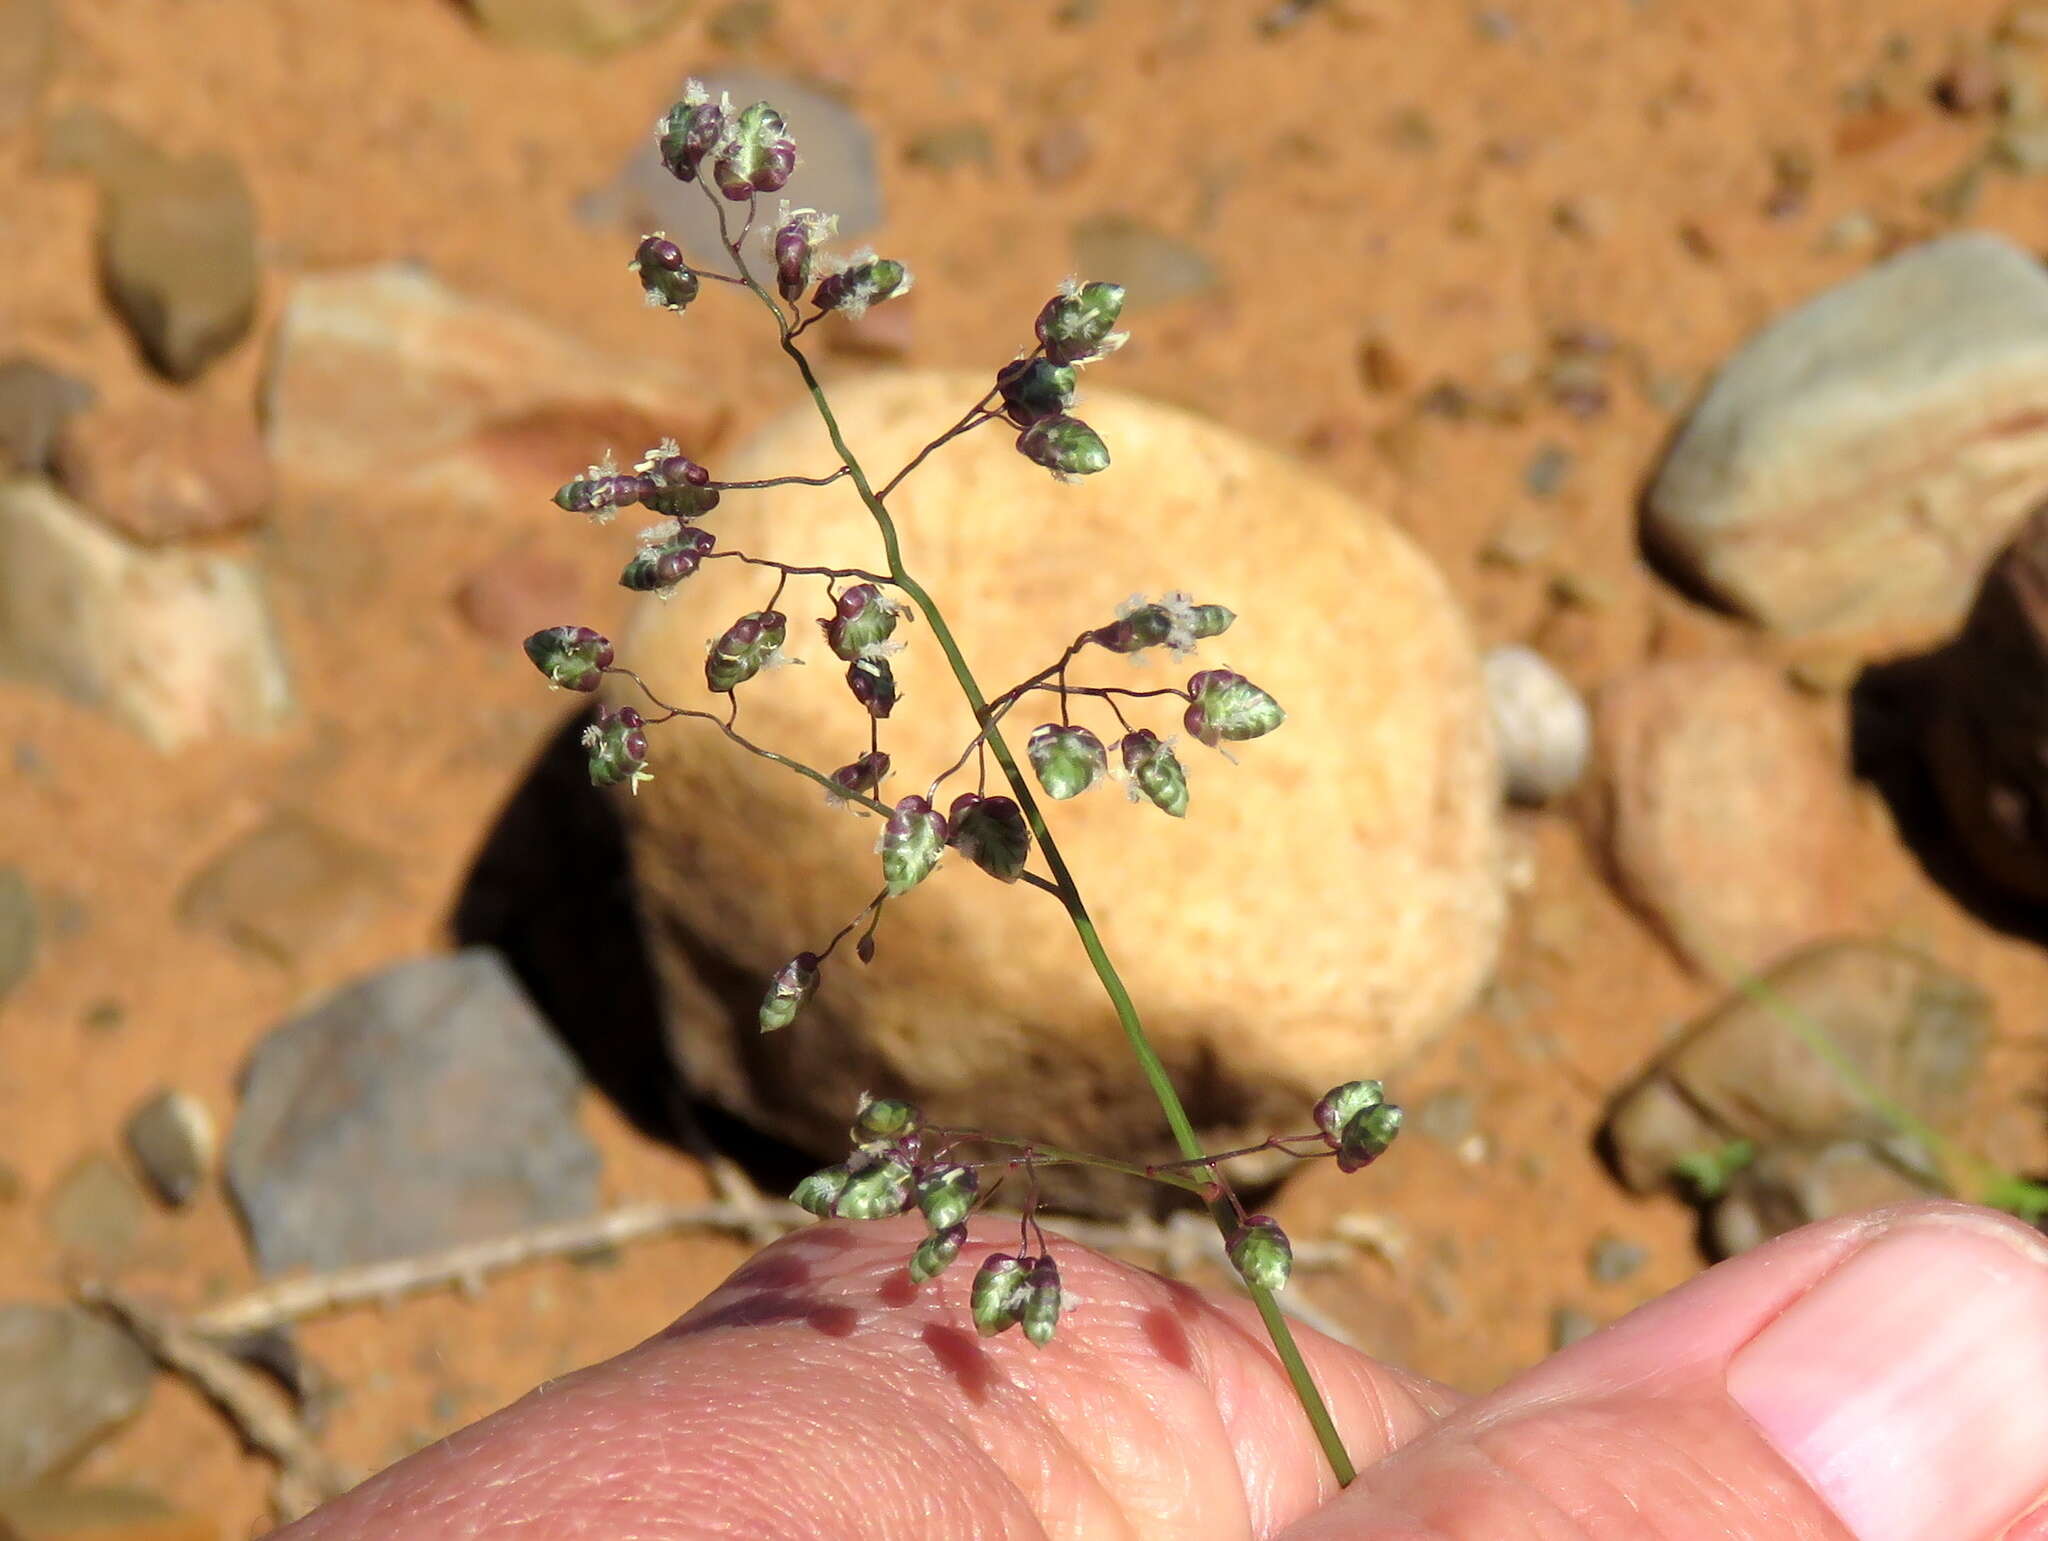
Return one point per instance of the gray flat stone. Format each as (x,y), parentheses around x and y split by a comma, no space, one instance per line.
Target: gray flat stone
(67,1379)
(422,1107)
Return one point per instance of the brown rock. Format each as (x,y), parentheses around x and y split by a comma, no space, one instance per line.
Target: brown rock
(386,376)
(1332,900)
(1793,1185)
(289,889)
(178,253)
(1987,732)
(35,400)
(98,1514)
(1749,1069)
(170,468)
(1724,811)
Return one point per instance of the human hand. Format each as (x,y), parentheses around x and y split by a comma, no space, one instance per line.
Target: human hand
(1881,1378)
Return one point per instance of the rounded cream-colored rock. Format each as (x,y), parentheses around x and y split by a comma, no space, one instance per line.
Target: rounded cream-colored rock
(1325,905)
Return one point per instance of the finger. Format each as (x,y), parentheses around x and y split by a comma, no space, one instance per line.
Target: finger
(1884,1378)
(817,1393)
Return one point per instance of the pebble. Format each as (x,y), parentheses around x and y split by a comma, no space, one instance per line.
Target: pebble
(421,1107)
(19,930)
(35,400)
(170,468)
(1568,1324)
(586,27)
(1546,470)
(837,170)
(1522,538)
(178,255)
(1613,1259)
(1856,465)
(68,1378)
(1154,267)
(1447,1115)
(1541,724)
(1743,1071)
(172,1138)
(177,645)
(290,889)
(741,24)
(95,1213)
(1723,812)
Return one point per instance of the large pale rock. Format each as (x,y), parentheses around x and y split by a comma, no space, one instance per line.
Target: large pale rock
(1323,908)
(1724,812)
(178,645)
(1854,467)
(385,374)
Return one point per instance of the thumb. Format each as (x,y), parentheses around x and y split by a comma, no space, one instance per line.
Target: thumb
(1883,1378)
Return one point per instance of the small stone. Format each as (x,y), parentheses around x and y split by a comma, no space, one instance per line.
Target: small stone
(289,889)
(35,400)
(67,1380)
(587,27)
(1854,468)
(419,1108)
(1612,1259)
(2025,23)
(1540,723)
(1546,470)
(517,594)
(1575,589)
(171,468)
(1971,84)
(171,1137)
(741,24)
(1154,267)
(1724,811)
(98,1514)
(1568,1324)
(1059,154)
(1583,219)
(178,255)
(1523,538)
(1857,230)
(1447,1115)
(1381,367)
(28,58)
(837,170)
(19,930)
(950,147)
(1745,1070)
(178,645)
(1409,129)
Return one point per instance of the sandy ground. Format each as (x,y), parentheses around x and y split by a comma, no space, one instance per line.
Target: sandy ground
(1376,170)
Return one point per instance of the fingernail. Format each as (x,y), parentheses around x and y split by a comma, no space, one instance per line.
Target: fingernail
(1910,1386)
